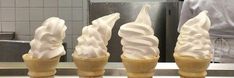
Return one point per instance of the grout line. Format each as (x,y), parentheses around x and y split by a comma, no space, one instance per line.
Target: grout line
(29,10)
(29,26)
(15,16)
(57,15)
(43,8)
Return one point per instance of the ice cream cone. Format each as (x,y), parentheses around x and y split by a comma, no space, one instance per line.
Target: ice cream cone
(90,67)
(38,68)
(190,67)
(140,68)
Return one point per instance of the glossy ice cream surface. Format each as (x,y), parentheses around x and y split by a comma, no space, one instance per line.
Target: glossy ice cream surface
(48,39)
(94,39)
(194,40)
(138,38)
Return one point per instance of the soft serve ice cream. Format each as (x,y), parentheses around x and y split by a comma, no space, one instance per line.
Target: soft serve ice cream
(94,39)
(138,38)
(193,48)
(48,39)
(194,40)
(140,46)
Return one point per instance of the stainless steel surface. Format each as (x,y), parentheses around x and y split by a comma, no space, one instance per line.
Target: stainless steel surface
(115,69)
(7,35)
(172,20)
(164,15)
(12,50)
(110,77)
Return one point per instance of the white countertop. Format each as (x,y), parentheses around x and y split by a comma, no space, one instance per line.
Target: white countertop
(115,70)
(105,77)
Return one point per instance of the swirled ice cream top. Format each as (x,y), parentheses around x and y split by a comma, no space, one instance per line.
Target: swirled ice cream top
(94,39)
(138,38)
(48,39)
(194,40)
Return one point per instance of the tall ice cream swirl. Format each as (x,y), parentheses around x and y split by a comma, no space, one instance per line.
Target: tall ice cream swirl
(138,38)
(94,39)
(48,39)
(194,40)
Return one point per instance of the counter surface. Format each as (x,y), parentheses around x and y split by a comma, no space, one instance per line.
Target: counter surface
(105,77)
(115,69)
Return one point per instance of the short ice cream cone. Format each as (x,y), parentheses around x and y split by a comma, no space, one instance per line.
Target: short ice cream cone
(190,67)
(90,67)
(140,68)
(40,68)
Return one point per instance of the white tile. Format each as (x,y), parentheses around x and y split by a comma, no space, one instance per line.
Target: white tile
(22,28)
(22,3)
(85,12)
(77,28)
(69,27)
(65,13)
(77,14)
(77,3)
(68,40)
(36,14)
(50,12)
(8,26)
(34,26)
(51,3)
(36,3)
(23,37)
(74,40)
(22,14)
(65,3)
(8,14)
(31,37)
(8,3)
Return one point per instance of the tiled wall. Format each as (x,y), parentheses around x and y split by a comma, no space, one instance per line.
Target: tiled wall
(24,16)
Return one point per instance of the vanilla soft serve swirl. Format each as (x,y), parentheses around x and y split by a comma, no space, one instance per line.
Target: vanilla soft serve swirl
(94,39)
(194,40)
(138,38)
(48,39)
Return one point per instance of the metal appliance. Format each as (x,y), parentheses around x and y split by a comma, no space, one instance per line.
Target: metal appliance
(12,50)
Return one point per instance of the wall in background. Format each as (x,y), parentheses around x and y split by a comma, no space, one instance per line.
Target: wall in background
(24,16)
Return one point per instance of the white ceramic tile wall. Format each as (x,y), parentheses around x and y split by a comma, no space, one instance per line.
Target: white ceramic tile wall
(77,28)
(50,12)
(69,28)
(8,26)
(77,14)
(8,14)
(36,3)
(8,3)
(33,25)
(22,3)
(50,3)
(65,13)
(36,14)
(22,28)
(24,16)
(65,3)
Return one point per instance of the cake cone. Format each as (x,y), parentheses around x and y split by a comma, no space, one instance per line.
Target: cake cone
(90,67)
(140,68)
(190,67)
(38,68)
